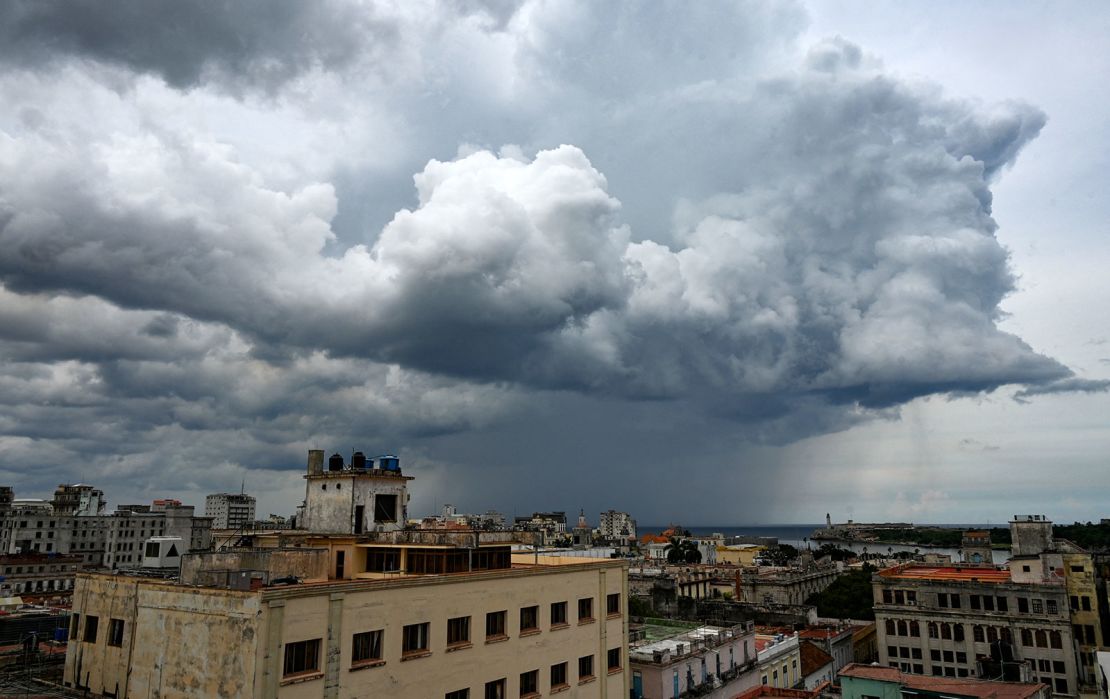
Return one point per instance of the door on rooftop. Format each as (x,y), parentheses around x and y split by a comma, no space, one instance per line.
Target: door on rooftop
(360,517)
(340,562)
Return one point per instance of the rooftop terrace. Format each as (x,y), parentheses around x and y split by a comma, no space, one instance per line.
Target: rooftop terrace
(947,573)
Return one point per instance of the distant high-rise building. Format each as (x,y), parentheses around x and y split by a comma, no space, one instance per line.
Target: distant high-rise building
(229,510)
(617,526)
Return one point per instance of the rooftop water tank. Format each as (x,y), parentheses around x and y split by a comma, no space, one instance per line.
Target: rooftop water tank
(335,463)
(358,461)
(389,463)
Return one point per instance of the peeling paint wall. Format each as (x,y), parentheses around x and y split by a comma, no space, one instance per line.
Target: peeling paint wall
(178,642)
(304,563)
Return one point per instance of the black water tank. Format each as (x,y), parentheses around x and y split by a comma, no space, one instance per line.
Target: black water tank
(358,460)
(335,463)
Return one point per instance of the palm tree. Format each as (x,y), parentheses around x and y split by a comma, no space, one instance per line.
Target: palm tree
(682,551)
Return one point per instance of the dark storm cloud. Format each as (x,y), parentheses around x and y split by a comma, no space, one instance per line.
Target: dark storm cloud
(769,250)
(189,43)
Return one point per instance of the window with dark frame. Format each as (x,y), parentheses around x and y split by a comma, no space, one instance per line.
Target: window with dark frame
(458,631)
(414,638)
(613,604)
(91,622)
(586,609)
(74,622)
(301,657)
(614,658)
(529,618)
(115,632)
(495,689)
(558,675)
(558,613)
(529,683)
(366,646)
(585,667)
(495,624)
(458,694)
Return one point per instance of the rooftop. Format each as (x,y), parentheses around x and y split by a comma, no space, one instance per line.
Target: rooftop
(667,639)
(977,689)
(813,658)
(947,573)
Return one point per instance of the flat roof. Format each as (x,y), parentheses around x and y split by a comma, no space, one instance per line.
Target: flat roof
(943,573)
(966,687)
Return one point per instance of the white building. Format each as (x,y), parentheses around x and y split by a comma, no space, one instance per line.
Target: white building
(617,526)
(229,510)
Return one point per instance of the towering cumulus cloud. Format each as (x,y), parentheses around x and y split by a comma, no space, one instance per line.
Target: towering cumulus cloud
(752,233)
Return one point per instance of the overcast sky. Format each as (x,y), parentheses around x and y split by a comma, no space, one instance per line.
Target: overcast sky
(710,263)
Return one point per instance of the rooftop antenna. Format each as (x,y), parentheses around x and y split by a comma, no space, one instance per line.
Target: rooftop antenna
(243,487)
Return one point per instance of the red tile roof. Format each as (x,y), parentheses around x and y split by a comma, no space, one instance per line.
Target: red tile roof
(941,573)
(813,658)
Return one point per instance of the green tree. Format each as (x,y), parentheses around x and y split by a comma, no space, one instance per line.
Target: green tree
(682,551)
(780,555)
(849,596)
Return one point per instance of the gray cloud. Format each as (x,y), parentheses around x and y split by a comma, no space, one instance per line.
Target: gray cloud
(770,245)
(240,43)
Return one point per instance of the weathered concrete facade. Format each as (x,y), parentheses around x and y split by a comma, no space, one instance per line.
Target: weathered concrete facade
(353,498)
(194,642)
(946,621)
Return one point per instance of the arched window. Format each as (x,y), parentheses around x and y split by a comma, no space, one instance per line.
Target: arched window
(1056,640)
(932,626)
(902,631)
(890,629)
(992,634)
(946,631)
(1026,637)
(1042,639)
(915,629)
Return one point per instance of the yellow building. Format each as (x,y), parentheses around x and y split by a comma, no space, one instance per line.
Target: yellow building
(393,613)
(740,555)
(1079,577)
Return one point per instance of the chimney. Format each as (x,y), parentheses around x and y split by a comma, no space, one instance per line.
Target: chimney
(315,462)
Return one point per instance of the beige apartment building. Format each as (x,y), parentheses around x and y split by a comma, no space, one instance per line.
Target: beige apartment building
(395,613)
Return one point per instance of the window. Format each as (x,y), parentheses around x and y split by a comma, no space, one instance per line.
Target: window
(915,629)
(891,629)
(74,622)
(115,632)
(1026,637)
(974,600)
(614,657)
(1051,606)
(1038,607)
(458,630)
(1023,605)
(919,669)
(1089,632)
(1055,640)
(903,652)
(495,625)
(585,667)
(90,628)
(915,653)
(1077,569)
(558,675)
(1003,604)
(1086,603)
(1058,667)
(934,654)
(558,613)
(458,694)
(888,597)
(902,629)
(961,657)
(1041,638)
(302,656)
(932,626)
(495,689)
(529,619)
(942,599)
(1061,685)
(955,600)
(529,683)
(613,604)
(414,638)
(899,597)
(946,632)
(948,657)
(958,632)
(366,646)
(586,609)
(892,651)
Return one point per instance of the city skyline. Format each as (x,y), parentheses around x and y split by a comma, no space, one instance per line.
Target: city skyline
(747,259)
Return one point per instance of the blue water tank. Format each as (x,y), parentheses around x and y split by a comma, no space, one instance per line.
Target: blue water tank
(389,463)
